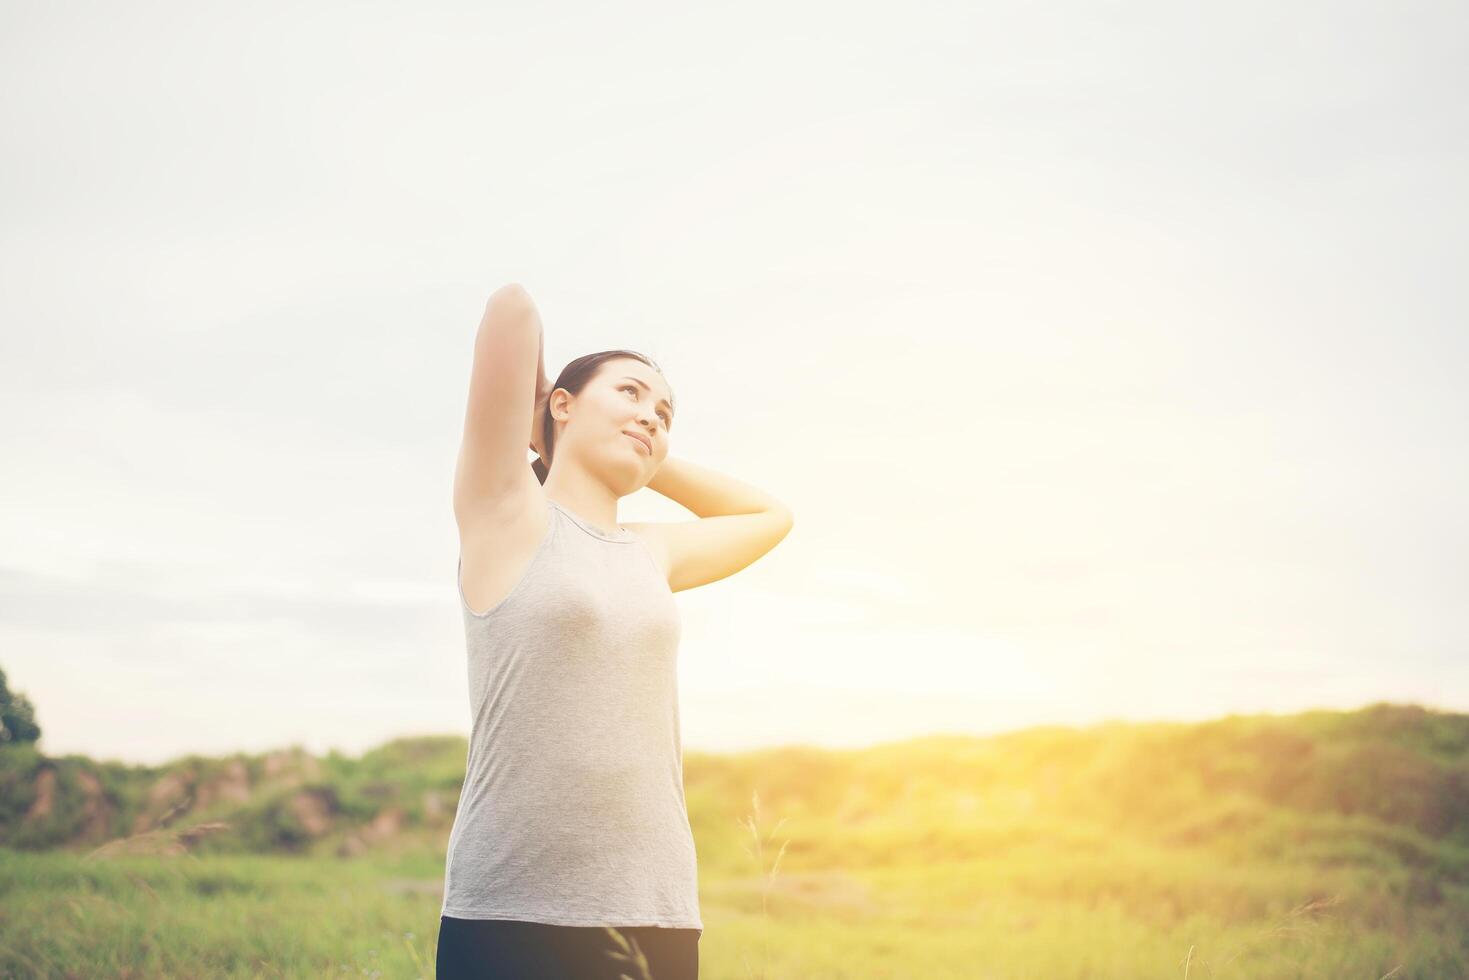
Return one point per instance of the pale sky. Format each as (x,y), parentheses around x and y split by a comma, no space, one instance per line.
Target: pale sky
(1110,356)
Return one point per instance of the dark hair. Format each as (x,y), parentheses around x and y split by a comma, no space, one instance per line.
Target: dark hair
(574,378)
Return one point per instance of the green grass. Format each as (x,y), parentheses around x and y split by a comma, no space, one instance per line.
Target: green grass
(1062,911)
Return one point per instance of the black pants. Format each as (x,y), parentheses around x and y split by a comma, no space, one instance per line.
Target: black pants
(502,948)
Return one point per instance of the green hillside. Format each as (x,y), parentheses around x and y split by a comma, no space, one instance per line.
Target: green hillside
(1390,778)
(1326,843)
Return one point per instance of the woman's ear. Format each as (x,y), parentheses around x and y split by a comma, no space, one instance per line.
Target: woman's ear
(563,400)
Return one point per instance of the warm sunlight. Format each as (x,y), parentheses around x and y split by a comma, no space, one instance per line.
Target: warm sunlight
(944,490)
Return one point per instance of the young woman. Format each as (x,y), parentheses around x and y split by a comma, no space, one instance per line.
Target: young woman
(571,854)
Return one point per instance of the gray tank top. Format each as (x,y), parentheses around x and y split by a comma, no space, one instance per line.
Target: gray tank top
(572,811)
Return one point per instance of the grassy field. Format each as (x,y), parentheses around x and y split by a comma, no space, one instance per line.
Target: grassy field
(1331,845)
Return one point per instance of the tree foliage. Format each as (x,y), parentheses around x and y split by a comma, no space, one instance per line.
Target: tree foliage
(17,716)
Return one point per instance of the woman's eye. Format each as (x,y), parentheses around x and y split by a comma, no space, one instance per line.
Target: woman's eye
(662,415)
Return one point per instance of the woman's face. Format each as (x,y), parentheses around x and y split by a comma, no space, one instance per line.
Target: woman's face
(624,400)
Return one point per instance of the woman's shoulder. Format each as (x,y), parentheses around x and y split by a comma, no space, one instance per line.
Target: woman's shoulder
(650,535)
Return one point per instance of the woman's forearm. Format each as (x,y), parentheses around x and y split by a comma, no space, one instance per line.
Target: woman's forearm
(543,393)
(542,382)
(707,492)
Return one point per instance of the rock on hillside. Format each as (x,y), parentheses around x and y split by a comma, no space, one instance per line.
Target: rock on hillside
(94,821)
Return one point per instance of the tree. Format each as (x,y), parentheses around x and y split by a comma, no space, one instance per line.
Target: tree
(17,716)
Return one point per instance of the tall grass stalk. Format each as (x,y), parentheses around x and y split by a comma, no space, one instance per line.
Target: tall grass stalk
(630,953)
(755,847)
(1305,920)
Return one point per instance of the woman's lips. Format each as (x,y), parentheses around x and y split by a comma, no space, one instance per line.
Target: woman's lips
(646,448)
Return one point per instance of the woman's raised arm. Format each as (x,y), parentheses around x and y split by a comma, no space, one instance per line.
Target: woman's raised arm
(504,383)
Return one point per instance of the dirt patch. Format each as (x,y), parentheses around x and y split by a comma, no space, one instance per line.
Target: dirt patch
(231,786)
(45,796)
(166,799)
(386,825)
(313,811)
(96,811)
(290,766)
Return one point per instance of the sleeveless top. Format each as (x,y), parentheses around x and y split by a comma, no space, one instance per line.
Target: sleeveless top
(572,811)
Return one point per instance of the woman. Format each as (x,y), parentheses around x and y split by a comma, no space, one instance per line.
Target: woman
(571,854)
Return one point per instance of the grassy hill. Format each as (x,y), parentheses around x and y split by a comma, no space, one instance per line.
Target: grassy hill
(1395,777)
(1325,843)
